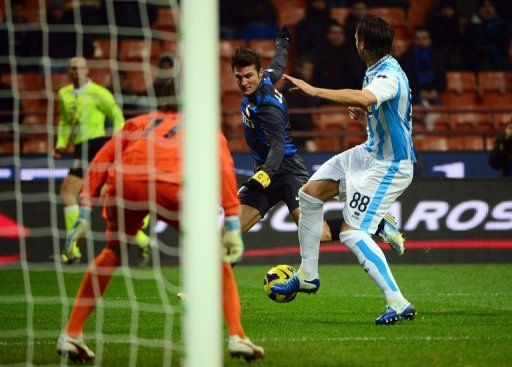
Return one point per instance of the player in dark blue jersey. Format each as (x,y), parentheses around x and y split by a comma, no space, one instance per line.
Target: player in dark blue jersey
(279,170)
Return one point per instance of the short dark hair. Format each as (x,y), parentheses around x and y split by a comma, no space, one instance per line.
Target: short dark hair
(245,57)
(376,34)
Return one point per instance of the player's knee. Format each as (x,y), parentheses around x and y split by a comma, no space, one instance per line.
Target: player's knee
(349,236)
(305,199)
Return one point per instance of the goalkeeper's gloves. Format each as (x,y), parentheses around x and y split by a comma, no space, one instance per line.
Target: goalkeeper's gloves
(82,224)
(285,37)
(259,181)
(232,242)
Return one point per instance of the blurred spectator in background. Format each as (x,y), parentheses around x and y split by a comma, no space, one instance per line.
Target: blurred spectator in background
(486,39)
(22,37)
(229,22)
(501,156)
(6,104)
(358,12)
(125,97)
(303,122)
(257,18)
(388,3)
(91,13)
(425,67)
(445,27)
(62,45)
(312,29)
(339,65)
(128,14)
(163,73)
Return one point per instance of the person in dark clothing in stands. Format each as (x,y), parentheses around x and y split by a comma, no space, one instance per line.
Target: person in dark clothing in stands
(501,156)
(301,122)
(340,66)
(486,39)
(425,67)
(358,12)
(312,29)
(446,28)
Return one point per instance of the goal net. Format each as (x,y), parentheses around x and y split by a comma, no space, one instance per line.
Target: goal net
(131,48)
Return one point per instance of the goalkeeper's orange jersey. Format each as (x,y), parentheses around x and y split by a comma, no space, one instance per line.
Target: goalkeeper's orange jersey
(148,149)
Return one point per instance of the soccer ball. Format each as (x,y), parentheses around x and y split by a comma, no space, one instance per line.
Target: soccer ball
(278,274)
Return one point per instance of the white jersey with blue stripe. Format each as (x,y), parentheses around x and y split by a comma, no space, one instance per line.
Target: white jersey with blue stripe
(390,119)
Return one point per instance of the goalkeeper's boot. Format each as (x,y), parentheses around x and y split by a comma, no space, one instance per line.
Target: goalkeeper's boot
(143,242)
(391,235)
(397,313)
(296,284)
(74,349)
(75,257)
(244,347)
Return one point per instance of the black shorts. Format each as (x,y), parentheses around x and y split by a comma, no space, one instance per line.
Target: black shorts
(282,188)
(84,154)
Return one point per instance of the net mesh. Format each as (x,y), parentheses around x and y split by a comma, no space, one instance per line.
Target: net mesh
(131,48)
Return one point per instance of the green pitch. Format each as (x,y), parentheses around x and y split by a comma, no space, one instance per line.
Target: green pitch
(464,318)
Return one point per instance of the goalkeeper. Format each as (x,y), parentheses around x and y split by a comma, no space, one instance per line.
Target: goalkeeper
(279,169)
(149,142)
(86,111)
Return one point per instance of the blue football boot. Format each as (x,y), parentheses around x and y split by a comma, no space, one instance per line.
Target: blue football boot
(295,284)
(391,316)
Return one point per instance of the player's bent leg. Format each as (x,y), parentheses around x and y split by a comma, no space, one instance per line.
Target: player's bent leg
(311,224)
(373,261)
(249,216)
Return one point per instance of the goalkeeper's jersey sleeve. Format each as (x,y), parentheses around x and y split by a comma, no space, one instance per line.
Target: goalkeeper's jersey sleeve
(87,113)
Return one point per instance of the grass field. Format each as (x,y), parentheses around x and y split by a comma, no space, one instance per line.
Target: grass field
(464,319)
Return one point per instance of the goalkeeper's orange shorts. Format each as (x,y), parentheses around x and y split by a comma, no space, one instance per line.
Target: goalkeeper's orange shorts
(126,207)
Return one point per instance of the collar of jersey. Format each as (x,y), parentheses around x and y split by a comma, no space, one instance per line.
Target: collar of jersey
(82,88)
(377,64)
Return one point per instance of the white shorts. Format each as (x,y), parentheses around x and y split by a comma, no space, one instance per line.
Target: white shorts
(368,185)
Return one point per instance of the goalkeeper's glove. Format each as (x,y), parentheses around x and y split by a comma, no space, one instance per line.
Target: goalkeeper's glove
(285,37)
(232,242)
(82,224)
(259,181)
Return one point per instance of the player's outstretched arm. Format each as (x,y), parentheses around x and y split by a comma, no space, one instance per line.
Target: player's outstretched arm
(278,62)
(346,97)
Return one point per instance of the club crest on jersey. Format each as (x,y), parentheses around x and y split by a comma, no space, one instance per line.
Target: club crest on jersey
(246,116)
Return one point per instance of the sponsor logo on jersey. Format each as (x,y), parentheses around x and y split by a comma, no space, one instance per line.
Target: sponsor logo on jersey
(246,116)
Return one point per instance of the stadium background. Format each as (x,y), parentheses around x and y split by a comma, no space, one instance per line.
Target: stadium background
(453,136)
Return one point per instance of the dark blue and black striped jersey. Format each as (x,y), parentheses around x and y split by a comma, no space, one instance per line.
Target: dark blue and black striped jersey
(265,119)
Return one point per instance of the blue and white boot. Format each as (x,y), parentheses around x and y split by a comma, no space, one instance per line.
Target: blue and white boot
(296,284)
(395,314)
(392,236)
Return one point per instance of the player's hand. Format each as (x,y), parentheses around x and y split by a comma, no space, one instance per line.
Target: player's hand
(301,86)
(259,181)
(57,153)
(284,34)
(78,231)
(355,112)
(232,242)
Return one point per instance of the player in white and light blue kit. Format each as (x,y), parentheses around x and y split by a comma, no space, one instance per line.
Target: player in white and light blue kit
(369,177)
